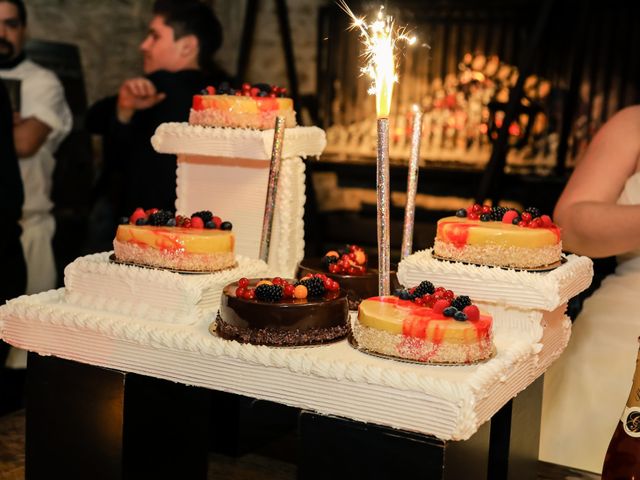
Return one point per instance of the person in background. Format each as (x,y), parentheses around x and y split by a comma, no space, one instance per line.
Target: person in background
(39,126)
(599,213)
(14,271)
(177,56)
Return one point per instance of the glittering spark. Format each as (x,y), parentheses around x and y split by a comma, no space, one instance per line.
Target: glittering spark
(380,39)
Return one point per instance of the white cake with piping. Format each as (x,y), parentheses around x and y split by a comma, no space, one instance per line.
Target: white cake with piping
(227,170)
(96,283)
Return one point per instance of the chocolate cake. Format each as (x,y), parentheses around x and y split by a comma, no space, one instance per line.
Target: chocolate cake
(285,322)
(357,287)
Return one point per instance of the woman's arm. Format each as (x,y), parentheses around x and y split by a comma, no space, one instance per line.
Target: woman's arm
(592,224)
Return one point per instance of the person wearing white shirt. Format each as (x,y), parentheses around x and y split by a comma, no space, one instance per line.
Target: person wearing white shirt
(44,120)
(40,125)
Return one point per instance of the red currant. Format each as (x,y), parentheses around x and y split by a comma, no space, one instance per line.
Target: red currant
(240,292)
(249,294)
(243,282)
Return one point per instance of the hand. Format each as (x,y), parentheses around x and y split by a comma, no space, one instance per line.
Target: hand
(17,118)
(136,94)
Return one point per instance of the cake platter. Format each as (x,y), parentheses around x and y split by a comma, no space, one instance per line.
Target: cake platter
(113,259)
(540,269)
(354,343)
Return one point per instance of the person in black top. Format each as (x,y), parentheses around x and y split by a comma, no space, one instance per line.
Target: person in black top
(13,280)
(178,63)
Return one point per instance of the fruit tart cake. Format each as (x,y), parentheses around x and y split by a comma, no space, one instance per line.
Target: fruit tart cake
(157,238)
(252,106)
(281,312)
(424,324)
(499,236)
(349,267)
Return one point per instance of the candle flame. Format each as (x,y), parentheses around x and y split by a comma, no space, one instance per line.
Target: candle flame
(380,39)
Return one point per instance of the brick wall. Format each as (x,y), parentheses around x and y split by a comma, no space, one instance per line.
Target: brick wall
(108,33)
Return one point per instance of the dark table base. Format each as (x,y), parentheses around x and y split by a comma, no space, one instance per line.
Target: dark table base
(91,422)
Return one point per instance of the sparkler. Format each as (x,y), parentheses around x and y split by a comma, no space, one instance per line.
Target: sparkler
(380,39)
(412,184)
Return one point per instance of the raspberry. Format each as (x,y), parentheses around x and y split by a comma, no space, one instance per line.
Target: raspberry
(138,213)
(509,216)
(196,222)
(440,305)
(472,312)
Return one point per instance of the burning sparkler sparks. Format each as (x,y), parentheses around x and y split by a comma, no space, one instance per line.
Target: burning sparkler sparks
(380,39)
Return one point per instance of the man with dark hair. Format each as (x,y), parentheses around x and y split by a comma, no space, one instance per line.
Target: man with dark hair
(177,62)
(41,120)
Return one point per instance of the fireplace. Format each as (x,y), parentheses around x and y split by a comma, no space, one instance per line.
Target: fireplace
(465,70)
(512,93)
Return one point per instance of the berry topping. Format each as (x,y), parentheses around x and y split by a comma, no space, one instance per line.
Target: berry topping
(196,222)
(268,292)
(449,311)
(243,282)
(509,216)
(462,213)
(141,221)
(472,312)
(440,305)
(485,217)
(461,302)
(425,287)
(315,286)
(137,214)
(226,226)
(205,215)
(460,316)
(159,218)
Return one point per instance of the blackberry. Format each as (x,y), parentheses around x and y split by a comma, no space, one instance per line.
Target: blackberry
(205,215)
(485,217)
(461,213)
(535,212)
(160,218)
(460,302)
(497,213)
(328,260)
(269,293)
(425,287)
(315,286)
(226,226)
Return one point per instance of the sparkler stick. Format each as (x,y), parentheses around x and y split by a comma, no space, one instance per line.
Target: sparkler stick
(380,38)
(412,184)
(272,189)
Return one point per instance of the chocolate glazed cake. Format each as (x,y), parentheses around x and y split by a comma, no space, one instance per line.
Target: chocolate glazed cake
(288,322)
(358,287)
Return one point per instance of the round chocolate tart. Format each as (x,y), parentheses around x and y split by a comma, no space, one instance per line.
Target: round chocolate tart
(358,287)
(288,322)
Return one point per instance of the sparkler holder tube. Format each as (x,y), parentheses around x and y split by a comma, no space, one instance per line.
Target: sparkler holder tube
(412,186)
(272,189)
(384,263)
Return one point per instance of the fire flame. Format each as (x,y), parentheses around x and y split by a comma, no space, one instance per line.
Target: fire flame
(380,39)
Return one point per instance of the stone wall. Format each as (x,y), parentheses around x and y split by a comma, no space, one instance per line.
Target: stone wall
(108,33)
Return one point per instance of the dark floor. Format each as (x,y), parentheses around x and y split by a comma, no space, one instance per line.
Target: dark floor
(245,467)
